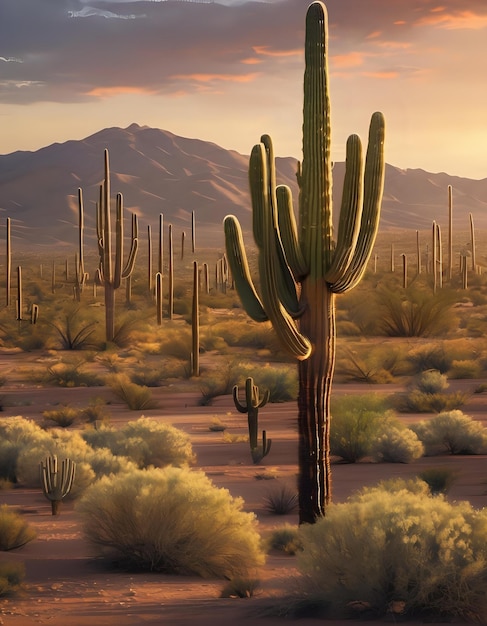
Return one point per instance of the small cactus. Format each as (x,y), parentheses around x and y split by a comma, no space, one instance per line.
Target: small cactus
(251,407)
(56,484)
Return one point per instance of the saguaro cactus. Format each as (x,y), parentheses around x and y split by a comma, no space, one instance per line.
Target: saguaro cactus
(252,405)
(56,484)
(111,271)
(304,319)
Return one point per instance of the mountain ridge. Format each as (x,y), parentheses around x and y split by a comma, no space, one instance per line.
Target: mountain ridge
(160,172)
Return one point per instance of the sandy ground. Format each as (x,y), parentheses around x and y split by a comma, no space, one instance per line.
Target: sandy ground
(66,585)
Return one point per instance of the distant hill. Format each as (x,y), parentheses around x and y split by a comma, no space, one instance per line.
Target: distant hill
(159,172)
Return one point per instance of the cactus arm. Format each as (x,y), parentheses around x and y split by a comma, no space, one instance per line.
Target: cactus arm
(350,212)
(265,218)
(119,235)
(134,245)
(373,189)
(237,259)
(242,408)
(289,232)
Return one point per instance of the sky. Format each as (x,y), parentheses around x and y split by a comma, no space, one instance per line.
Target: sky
(232,70)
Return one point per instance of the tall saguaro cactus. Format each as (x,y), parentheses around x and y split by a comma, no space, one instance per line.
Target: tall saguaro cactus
(302,268)
(111,270)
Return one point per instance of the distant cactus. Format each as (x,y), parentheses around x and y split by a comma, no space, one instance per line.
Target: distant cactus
(195,324)
(304,316)
(252,405)
(111,271)
(56,484)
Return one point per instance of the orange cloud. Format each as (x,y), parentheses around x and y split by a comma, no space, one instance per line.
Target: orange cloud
(265,51)
(394,45)
(352,59)
(374,35)
(210,78)
(382,75)
(466,20)
(251,61)
(108,92)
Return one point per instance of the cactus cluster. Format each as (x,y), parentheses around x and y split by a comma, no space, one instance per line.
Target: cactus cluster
(302,267)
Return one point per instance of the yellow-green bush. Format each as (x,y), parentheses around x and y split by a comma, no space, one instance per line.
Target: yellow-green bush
(397,543)
(171,520)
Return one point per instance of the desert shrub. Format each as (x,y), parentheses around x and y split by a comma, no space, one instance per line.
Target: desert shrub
(150,376)
(15,532)
(16,433)
(217,425)
(71,374)
(466,368)
(281,381)
(136,397)
(415,312)
(24,444)
(429,357)
(356,422)
(171,520)
(431,381)
(145,442)
(281,500)
(451,432)
(73,333)
(419,402)
(96,412)
(221,383)
(438,479)
(375,365)
(63,444)
(397,445)
(285,539)
(393,543)
(12,575)
(63,417)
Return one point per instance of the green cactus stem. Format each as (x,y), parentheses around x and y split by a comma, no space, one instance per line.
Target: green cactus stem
(303,267)
(472,243)
(8,262)
(149,260)
(20,295)
(170,272)
(159,298)
(254,402)
(195,324)
(111,271)
(56,482)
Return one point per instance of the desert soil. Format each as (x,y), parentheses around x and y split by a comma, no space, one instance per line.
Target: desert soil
(66,585)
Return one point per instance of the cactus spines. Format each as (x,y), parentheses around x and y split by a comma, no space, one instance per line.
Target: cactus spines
(302,268)
(56,482)
(111,271)
(253,402)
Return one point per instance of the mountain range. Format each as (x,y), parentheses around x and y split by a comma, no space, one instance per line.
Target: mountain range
(159,172)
